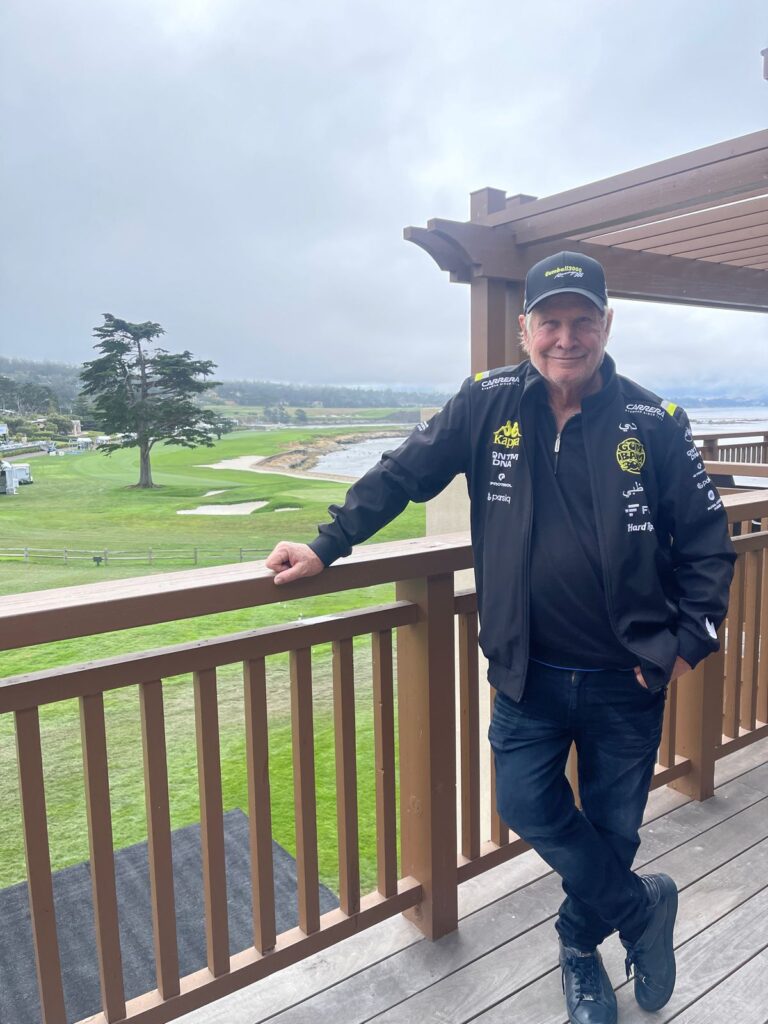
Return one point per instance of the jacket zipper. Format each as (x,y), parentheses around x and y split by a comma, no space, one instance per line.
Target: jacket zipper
(557,451)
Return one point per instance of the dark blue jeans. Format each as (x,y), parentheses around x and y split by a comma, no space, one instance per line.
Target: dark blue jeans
(616,726)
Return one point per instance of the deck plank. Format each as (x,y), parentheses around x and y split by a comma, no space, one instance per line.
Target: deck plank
(517,965)
(742,997)
(703,904)
(405,986)
(309,986)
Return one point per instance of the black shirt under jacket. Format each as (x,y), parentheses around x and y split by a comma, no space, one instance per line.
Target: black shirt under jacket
(570,623)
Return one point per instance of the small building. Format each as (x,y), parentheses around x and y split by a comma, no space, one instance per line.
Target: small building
(8,479)
(23,472)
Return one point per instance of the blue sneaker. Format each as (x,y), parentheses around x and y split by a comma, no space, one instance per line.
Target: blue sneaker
(589,995)
(653,954)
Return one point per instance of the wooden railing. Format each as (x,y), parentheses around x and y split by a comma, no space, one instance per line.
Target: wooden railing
(734,446)
(718,707)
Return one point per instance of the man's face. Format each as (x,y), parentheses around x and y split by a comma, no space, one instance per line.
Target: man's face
(566,340)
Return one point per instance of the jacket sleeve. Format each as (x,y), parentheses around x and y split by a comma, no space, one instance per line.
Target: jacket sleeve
(702,553)
(424,464)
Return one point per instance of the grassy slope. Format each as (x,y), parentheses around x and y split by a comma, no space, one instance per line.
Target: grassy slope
(86,501)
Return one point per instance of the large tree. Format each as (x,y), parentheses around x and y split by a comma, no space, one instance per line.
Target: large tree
(145,393)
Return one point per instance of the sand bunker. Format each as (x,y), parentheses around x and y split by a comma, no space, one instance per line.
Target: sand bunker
(210,494)
(250,463)
(289,508)
(241,462)
(242,508)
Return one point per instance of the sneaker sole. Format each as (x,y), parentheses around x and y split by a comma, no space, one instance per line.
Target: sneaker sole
(669,890)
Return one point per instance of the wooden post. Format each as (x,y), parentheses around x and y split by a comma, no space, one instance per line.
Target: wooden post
(699,725)
(426,718)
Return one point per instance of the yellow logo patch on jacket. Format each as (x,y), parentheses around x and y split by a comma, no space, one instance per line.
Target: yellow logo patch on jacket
(508,435)
(630,455)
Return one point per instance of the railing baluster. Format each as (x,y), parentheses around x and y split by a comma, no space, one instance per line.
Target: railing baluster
(748,711)
(40,884)
(211,822)
(259,807)
(96,771)
(499,829)
(304,790)
(762,664)
(733,653)
(427,723)
(384,741)
(346,775)
(666,755)
(159,838)
(470,736)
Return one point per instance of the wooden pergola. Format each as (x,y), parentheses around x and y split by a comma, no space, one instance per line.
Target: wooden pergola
(691,230)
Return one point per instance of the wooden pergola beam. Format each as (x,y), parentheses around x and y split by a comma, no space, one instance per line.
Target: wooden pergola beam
(493,253)
(705,176)
(690,225)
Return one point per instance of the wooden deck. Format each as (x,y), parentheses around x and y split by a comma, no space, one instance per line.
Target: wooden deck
(501,965)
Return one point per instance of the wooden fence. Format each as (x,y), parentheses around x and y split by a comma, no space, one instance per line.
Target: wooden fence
(147,556)
(717,708)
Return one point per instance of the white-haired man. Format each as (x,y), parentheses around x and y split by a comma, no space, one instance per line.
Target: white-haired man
(603,564)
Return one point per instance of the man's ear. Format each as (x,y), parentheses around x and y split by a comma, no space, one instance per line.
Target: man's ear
(608,322)
(523,333)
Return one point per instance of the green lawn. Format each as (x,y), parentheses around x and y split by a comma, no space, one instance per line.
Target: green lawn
(86,501)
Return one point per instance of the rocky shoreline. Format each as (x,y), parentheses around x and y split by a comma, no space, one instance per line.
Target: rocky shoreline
(304,458)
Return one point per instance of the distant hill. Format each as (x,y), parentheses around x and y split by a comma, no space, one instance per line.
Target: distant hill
(63,379)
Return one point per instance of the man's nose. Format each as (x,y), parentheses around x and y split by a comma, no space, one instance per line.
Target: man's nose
(568,335)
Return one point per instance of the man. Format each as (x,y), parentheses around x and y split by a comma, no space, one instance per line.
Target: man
(603,564)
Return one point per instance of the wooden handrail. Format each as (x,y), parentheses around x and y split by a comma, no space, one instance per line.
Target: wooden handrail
(48,615)
(717,435)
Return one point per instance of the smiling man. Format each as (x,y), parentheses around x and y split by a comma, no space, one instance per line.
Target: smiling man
(603,564)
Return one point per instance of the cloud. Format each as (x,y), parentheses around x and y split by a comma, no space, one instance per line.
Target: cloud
(242,173)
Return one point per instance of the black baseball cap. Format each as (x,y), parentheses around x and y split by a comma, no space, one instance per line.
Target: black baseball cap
(565,272)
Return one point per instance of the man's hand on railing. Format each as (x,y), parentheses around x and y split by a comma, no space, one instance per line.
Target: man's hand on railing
(293,562)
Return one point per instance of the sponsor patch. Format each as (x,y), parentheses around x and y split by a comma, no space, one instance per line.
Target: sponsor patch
(640,527)
(504,460)
(508,435)
(498,382)
(710,627)
(636,488)
(567,270)
(630,455)
(645,410)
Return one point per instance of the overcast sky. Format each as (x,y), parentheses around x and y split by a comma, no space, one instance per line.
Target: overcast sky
(241,172)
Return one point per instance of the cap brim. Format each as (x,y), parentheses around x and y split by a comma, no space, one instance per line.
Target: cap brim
(592,296)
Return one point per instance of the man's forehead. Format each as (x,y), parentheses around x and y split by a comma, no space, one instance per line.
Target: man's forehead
(566,300)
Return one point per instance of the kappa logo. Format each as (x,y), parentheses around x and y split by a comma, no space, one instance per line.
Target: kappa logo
(508,435)
(630,455)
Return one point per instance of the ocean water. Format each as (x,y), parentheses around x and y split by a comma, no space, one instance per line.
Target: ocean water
(353,460)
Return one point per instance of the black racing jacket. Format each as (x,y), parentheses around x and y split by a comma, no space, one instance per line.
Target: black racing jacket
(666,555)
